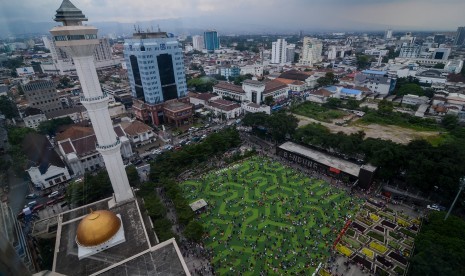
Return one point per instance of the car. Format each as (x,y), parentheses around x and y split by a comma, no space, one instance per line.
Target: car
(31,204)
(32,196)
(53,194)
(157,151)
(433,207)
(38,207)
(51,202)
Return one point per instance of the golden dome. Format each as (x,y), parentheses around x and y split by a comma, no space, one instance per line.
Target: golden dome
(97,228)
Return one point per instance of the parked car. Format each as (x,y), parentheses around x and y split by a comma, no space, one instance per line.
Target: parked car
(433,207)
(32,196)
(53,194)
(38,207)
(32,204)
(51,202)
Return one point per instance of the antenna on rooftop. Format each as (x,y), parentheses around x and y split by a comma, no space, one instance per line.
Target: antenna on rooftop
(158,25)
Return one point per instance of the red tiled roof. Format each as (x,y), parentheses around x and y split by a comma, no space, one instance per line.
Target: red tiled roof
(202,96)
(230,86)
(224,104)
(137,127)
(67,147)
(273,85)
(321,92)
(74,132)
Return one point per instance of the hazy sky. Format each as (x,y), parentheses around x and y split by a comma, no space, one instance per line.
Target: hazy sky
(298,14)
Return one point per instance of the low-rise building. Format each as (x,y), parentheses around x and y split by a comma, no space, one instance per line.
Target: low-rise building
(248,107)
(230,71)
(229,109)
(201,98)
(32,117)
(138,133)
(414,99)
(377,81)
(319,96)
(254,69)
(229,91)
(77,145)
(45,167)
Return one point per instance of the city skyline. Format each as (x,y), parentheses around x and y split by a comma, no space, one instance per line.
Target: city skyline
(256,15)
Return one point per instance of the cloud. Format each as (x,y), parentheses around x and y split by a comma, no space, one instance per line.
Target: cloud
(298,14)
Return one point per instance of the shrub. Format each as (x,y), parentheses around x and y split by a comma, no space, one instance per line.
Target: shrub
(378,247)
(367,252)
(376,236)
(343,250)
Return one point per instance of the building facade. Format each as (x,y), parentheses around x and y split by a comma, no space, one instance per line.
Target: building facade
(32,117)
(279,51)
(197,42)
(311,51)
(42,94)
(460,36)
(230,71)
(155,67)
(211,40)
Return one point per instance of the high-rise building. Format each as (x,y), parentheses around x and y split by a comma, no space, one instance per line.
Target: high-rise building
(42,94)
(156,74)
(460,36)
(290,52)
(439,39)
(79,42)
(388,34)
(197,42)
(211,40)
(312,49)
(155,67)
(279,51)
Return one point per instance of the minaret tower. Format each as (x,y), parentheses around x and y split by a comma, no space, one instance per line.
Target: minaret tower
(80,41)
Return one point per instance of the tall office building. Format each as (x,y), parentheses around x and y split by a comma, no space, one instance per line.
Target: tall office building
(388,34)
(197,42)
(290,52)
(42,94)
(460,36)
(155,67)
(312,49)
(439,39)
(156,74)
(79,42)
(211,40)
(279,51)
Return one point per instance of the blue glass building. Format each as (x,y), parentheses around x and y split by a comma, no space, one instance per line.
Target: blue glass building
(155,67)
(212,42)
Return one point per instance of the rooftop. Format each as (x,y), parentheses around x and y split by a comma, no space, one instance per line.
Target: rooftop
(374,72)
(273,85)
(67,12)
(176,106)
(40,152)
(229,86)
(66,259)
(136,127)
(323,158)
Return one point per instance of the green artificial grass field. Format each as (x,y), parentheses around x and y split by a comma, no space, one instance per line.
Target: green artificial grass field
(265,217)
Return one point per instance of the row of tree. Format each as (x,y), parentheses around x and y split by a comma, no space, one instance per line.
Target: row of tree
(440,247)
(278,125)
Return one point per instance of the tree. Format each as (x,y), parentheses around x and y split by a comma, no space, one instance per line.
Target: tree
(50,127)
(439,66)
(363,62)
(385,107)
(410,88)
(269,100)
(440,247)
(8,107)
(239,79)
(133,175)
(16,134)
(450,121)
(194,231)
(281,125)
(333,103)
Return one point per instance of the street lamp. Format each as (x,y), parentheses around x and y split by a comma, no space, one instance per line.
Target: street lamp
(462,185)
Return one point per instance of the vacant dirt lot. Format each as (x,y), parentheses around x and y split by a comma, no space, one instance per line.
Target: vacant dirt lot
(393,133)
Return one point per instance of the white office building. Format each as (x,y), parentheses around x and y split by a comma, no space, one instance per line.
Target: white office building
(311,51)
(197,42)
(279,51)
